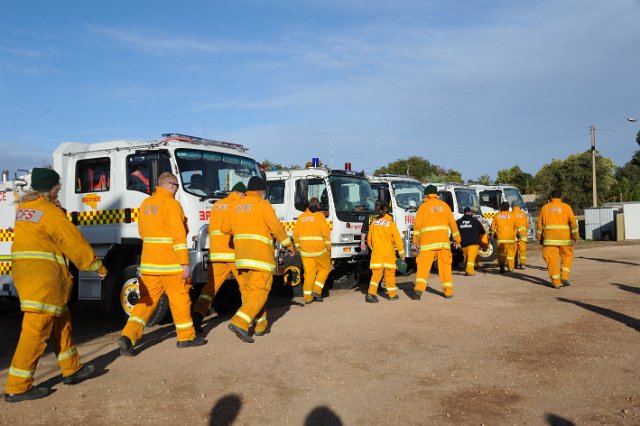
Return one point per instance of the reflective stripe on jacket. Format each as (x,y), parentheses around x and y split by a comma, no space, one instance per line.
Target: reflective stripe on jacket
(433,224)
(162,226)
(253,224)
(311,234)
(384,239)
(44,243)
(557,224)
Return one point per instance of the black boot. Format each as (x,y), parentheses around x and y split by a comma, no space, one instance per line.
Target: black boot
(242,334)
(84,373)
(197,322)
(198,341)
(126,346)
(33,393)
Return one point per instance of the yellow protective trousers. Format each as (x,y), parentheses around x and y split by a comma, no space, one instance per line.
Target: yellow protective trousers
(316,271)
(521,251)
(257,285)
(424,262)
(151,289)
(389,281)
(36,329)
(559,260)
(507,255)
(217,273)
(470,254)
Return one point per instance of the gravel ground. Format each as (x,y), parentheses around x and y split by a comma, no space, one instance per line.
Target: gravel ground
(505,350)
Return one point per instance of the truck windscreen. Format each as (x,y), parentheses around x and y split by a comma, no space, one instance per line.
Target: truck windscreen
(467,198)
(352,194)
(513,197)
(408,194)
(213,174)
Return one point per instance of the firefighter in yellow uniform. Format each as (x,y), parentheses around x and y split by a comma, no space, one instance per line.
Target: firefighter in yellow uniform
(384,239)
(222,256)
(505,230)
(557,231)
(45,242)
(164,267)
(433,225)
(312,239)
(522,223)
(253,224)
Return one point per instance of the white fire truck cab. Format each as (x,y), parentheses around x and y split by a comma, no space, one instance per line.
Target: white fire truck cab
(347,201)
(404,195)
(103,185)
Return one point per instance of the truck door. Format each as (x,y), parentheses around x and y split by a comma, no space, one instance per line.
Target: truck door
(276,195)
(94,208)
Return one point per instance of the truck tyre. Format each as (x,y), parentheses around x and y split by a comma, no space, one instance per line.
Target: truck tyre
(294,277)
(127,295)
(347,280)
(490,253)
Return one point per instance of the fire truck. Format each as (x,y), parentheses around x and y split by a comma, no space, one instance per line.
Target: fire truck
(346,200)
(404,195)
(103,185)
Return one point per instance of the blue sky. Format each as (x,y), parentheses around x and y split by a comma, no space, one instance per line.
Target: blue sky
(476,86)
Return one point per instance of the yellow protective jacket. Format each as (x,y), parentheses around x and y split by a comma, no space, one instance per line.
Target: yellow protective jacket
(384,239)
(522,223)
(162,226)
(556,224)
(433,224)
(220,245)
(311,234)
(505,228)
(44,243)
(253,224)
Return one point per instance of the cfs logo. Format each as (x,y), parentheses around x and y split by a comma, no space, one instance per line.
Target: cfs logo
(306,219)
(29,215)
(243,208)
(150,210)
(437,209)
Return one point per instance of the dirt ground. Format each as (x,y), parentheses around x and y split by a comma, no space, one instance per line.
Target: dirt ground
(505,350)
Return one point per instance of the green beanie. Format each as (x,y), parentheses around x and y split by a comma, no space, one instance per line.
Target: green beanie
(430,189)
(239,187)
(43,180)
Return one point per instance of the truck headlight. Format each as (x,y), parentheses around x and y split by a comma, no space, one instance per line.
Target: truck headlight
(346,238)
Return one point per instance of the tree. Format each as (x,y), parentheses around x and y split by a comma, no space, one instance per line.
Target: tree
(270,165)
(627,186)
(420,169)
(516,177)
(573,177)
(482,180)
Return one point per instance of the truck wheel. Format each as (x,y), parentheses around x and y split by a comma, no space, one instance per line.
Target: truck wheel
(490,253)
(346,281)
(128,293)
(293,277)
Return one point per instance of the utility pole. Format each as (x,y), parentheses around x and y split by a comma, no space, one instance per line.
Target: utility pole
(593,166)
